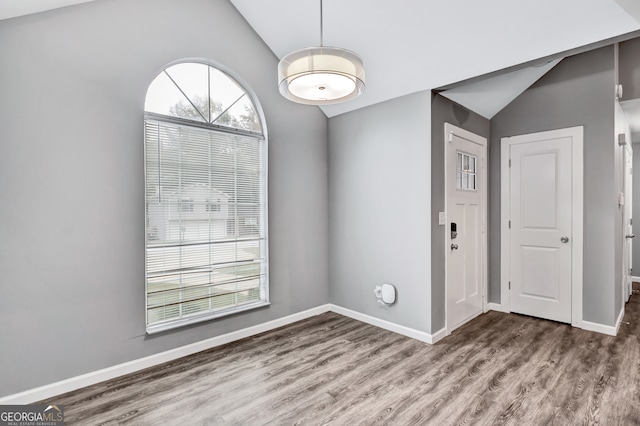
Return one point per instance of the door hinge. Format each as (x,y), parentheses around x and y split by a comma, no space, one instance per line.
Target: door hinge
(509,162)
(509,285)
(509,224)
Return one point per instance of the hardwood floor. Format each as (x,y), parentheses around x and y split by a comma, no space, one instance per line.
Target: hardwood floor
(498,369)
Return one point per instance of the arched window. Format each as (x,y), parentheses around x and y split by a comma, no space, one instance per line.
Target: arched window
(206,205)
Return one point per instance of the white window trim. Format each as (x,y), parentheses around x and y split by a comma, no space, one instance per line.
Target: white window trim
(208,316)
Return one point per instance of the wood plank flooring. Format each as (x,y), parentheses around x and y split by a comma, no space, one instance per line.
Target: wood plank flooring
(498,369)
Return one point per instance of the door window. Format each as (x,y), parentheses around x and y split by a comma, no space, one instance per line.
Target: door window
(466,172)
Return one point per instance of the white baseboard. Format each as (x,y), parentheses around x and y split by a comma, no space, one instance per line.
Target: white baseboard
(635,279)
(74,383)
(598,328)
(604,329)
(496,307)
(585,325)
(438,335)
(94,377)
(396,328)
(619,320)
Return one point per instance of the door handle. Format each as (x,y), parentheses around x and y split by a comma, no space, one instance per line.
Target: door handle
(630,236)
(454,247)
(564,240)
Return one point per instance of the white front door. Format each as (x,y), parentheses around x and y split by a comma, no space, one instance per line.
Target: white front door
(465,225)
(539,208)
(627,271)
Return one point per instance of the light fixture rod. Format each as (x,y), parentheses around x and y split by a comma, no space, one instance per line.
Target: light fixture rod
(321,26)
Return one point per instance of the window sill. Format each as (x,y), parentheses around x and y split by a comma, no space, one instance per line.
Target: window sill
(171,325)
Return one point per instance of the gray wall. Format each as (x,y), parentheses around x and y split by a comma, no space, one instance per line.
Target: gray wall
(577,92)
(444,111)
(71,181)
(379,208)
(630,68)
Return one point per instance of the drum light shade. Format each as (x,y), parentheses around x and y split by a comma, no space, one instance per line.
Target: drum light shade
(321,75)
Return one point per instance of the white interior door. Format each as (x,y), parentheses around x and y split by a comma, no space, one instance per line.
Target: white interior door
(628,221)
(465,212)
(541,228)
(541,240)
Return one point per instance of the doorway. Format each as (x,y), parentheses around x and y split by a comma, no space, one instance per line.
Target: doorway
(466,216)
(541,224)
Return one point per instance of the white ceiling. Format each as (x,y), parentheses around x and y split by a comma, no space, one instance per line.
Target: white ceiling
(414,45)
(13,8)
(489,96)
(631,6)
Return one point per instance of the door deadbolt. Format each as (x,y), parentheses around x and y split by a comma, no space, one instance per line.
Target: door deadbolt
(565,240)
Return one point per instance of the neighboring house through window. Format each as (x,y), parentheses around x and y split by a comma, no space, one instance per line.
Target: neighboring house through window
(213,206)
(185,204)
(205,175)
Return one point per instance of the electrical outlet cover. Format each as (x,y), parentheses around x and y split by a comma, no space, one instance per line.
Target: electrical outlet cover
(442,219)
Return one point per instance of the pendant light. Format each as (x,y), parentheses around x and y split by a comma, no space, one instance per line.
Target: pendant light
(321,75)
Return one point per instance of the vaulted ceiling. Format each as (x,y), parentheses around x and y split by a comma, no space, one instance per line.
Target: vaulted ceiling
(13,8)
(414,45)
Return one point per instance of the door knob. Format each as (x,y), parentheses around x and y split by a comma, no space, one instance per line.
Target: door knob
(629,236)
(565,240)
(454,247)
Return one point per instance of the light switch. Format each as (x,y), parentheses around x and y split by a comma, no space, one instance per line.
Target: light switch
(442,219)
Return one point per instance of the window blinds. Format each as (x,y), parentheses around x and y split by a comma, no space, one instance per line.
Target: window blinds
(206,251)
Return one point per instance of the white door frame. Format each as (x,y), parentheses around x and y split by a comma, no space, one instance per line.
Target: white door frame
(627,213)
(449,130)
(577,205)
